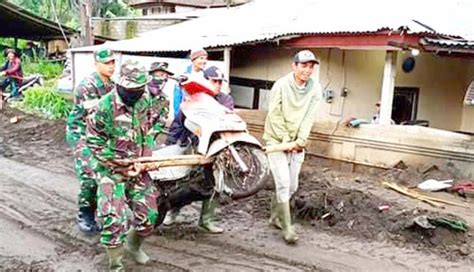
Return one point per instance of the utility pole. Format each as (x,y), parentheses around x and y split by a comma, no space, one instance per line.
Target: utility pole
(85,8)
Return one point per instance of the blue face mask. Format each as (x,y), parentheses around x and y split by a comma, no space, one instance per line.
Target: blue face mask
(129,96)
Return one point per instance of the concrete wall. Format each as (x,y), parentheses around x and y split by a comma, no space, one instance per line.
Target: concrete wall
(441,81)
(124,29)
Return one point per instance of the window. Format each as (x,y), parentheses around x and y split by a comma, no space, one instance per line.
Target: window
(250,93)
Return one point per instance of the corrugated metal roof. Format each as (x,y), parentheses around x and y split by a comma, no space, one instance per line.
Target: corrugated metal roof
(266,20)
(449,43)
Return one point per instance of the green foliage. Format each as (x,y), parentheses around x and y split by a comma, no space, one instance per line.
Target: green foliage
(112,8)
(43,100)
(49,70)
(68,10)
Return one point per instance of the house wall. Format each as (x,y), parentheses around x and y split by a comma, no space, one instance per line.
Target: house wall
(128,28)
(441,81)
(467,123)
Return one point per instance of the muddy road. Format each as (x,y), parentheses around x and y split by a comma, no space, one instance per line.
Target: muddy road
(38,233)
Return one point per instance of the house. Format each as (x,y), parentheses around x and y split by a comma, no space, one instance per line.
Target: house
(412,57)
(153,7)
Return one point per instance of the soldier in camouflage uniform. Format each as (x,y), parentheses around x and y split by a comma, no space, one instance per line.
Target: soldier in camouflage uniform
(159,76)
(86,95)
(123,126)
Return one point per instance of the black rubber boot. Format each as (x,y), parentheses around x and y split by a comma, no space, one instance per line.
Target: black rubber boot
(86,221)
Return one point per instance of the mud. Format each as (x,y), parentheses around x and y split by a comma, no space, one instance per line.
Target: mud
(38,203)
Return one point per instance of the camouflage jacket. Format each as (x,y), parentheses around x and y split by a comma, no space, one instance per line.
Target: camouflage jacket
(117,131)
(86,96)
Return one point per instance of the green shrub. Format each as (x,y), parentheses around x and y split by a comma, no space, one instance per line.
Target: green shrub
(48,70)
(45,101)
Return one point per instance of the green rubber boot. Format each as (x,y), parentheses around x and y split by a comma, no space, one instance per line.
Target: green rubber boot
(288,231)
(115,258)
(206,221)
(134,247)
(274,220)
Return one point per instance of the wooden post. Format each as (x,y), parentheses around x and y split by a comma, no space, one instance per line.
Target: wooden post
(226,71)
(86,23)
(388,86)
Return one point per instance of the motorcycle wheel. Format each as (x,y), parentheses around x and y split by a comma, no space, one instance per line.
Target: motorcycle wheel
(244,184)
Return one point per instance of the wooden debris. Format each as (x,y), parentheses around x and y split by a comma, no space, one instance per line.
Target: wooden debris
(434,201)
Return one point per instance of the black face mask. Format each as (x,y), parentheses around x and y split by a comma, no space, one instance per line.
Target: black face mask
(130,96)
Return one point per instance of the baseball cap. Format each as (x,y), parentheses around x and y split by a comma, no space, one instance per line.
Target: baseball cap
(214,73)
(103,55)
(305,56)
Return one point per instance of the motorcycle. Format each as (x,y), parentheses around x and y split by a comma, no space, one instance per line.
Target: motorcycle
(235,163)
(26,83)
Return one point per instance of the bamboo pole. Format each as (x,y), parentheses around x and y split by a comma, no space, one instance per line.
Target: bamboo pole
(428,199)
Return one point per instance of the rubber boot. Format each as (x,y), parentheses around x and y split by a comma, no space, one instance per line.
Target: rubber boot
(206,221)
(134,247)
(86,221)
(287,232)
(274,220)
(115,258)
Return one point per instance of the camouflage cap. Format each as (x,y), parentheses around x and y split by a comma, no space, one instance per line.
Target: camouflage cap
(104,55)
(133,75)
(160,66)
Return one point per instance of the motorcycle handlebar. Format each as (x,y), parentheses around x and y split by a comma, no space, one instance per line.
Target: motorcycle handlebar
(180,79)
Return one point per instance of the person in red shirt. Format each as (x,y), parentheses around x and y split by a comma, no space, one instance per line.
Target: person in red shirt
(12,72)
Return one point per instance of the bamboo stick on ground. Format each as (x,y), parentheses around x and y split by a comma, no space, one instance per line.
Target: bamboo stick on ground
(407,192)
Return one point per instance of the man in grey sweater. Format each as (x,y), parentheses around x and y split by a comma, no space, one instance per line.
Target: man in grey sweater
(289,120)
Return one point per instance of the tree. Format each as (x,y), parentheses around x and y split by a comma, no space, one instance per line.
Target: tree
(67,11)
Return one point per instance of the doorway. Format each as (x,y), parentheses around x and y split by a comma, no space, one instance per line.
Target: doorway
(405,104)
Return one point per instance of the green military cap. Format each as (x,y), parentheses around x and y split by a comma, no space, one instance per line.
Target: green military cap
(133,75)
(103,55)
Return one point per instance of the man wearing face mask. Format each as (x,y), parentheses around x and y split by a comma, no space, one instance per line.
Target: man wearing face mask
(290,117)
(159,77)
(122,127)
(86,96)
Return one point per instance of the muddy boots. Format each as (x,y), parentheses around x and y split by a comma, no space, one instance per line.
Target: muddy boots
(206,222)
(115,258)
(274,218)
(86,221)
(134,247)
(284,215)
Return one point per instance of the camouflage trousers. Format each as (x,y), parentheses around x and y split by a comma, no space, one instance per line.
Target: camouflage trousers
(125,203)
(87,180)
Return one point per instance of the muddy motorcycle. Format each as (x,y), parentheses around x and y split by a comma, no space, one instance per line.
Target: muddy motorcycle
(228,161)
